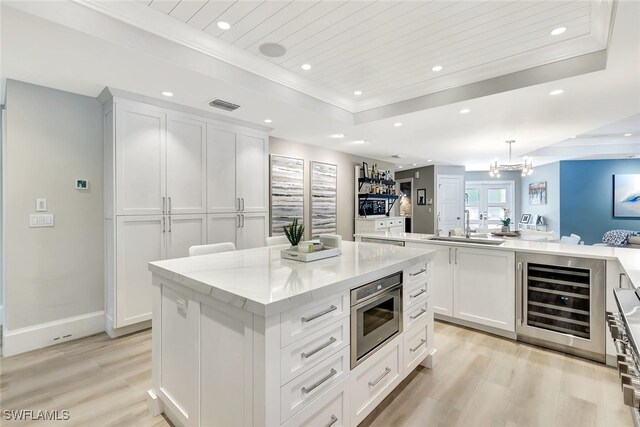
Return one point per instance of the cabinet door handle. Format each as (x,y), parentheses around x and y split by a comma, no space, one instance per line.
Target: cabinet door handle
(169,224)
(317,349)
(422,291)
(169,204)
(449,255)
(422,341)
(163,225)
(423,311)
(620,279)
(242,200)
(238,203)
(315,316)
(522,290)
(455,256)
(242,220)
(164,204)
(319,382)
(386,372)
(419,272)
(238,221)
(332,421)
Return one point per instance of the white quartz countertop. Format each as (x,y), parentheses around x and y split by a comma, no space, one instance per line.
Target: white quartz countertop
(629,258)
(260,281)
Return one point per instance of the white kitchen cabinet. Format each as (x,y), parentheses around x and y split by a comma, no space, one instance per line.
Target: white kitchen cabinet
(484,287)
(140,150)
(184,231)
(237,172)
(442,293)
(245,230)
(392,224)
(186,165)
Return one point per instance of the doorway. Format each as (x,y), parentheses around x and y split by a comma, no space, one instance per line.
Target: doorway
(488,203)
(405,190)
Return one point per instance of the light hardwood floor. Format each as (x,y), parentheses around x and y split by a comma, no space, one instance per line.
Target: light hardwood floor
(479,380)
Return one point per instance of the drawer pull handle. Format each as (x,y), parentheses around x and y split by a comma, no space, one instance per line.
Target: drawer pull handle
(319,382)
(418,273)
(333,421)
(423,311)
(387,370)
(422,341)
(315,350)
(322,313)
(418,294)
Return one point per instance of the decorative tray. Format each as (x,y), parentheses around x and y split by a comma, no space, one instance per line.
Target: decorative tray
(310,256)
(506,233)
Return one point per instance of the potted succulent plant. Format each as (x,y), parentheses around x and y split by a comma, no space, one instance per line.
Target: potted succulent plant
(294,233)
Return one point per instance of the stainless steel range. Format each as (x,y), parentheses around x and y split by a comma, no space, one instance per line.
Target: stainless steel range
(625,330)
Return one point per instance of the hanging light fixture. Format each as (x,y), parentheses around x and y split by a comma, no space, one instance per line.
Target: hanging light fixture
(495,168)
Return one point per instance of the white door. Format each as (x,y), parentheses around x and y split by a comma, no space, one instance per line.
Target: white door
(184,231)
(251,175)
(484,287)
(222,228)
(140,159)
(221,170)
(488,203)
(139,240)
(450,202)
(253,230)
(186,166)
(442,279)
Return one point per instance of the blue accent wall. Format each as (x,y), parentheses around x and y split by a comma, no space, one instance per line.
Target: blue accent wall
(586,201)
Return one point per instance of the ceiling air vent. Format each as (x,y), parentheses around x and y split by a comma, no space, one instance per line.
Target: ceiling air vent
(224,105)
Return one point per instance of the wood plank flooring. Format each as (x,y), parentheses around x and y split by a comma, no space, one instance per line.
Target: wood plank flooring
(479,380)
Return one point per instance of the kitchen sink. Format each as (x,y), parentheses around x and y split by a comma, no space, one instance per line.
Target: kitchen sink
(473,239)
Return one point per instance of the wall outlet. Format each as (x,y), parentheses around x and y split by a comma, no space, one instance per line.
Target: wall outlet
(41,205)
(41,220)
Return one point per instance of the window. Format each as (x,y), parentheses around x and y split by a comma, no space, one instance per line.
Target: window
(487,202)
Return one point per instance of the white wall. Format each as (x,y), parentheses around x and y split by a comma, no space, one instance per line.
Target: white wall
(551,211)
(52,138)
(346,176)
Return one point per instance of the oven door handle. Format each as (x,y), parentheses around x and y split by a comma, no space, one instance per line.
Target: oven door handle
(377,297)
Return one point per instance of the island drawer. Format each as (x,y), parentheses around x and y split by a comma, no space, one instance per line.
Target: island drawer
(381,224)
(415,293)
(301,321)
(307,352)
(415,273)
(417,342)
(375,378)
(417,312)
(301,391)
(330,409)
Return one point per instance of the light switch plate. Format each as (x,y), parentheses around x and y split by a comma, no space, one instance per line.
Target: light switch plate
(82,184)
(41,205)
(41,220)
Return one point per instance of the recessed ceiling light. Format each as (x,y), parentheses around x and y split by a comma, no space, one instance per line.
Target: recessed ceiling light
(306,67)
(224,25)
(437,68)
(268,120)
(361,141)
(400,167)
(465,111)
(556,92)
(558,31)
(429,160)
(337,135)
(397,124)
(414,164)
(357,92)
(165,93)
(573,137)
(627,134)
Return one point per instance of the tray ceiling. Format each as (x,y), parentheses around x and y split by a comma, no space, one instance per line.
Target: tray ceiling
(387,49)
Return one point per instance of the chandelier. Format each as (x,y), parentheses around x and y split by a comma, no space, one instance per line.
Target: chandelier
(526,167)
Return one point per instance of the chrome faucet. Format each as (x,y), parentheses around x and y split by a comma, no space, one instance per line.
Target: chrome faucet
(467,217)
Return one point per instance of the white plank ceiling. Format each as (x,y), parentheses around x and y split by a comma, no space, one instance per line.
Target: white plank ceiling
(379,47)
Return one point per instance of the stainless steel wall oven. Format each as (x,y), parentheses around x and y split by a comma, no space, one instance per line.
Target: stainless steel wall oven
(376,316)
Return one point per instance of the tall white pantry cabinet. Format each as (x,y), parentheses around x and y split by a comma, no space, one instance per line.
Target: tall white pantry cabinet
(173,180)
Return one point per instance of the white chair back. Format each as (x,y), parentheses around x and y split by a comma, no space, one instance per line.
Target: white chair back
(574,239)
(211,249)
(536,235)
(276,240)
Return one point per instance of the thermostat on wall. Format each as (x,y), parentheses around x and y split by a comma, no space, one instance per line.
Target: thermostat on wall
(82,184)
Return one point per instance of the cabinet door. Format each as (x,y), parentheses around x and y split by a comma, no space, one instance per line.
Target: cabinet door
(221,170)
(253,230)
(140,159)
(252,172)
(442,277)
(186,166)
(184,231)
(222,228)
(484,287)
(139,240)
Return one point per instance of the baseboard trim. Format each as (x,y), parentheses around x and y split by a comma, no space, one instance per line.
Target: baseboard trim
(477,326)
(45,334)
(125,330)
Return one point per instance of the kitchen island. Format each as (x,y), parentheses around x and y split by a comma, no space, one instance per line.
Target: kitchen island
(476,285)
(247,338)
